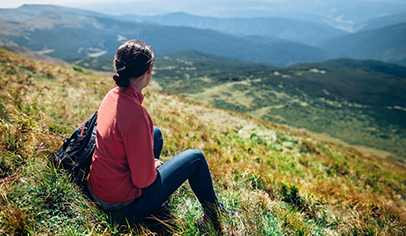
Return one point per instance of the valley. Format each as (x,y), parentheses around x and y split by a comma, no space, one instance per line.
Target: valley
(359,102)
(344,103)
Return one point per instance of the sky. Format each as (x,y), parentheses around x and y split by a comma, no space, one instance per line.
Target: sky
(72,3)
(349,10)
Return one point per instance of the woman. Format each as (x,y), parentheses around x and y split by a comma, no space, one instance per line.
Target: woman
(126,176)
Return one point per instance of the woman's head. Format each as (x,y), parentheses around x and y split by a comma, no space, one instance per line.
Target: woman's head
(132,60)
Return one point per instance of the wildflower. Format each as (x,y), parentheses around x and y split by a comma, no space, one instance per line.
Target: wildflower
(41,144)
(43,126)
(20,140)
(38,129)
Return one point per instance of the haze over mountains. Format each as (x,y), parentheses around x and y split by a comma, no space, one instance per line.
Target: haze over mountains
(64,35)
(342,14)
(72,33)
(289,29)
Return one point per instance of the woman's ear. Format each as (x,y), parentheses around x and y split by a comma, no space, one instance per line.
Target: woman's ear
(149,71)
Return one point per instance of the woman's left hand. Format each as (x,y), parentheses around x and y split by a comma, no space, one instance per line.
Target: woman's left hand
(158,163)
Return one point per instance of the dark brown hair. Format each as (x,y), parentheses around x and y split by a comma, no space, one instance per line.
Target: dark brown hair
(133,58)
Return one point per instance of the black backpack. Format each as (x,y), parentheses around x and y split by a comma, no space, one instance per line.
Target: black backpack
(75,154)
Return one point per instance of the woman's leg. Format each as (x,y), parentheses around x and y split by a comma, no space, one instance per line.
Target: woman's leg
(189,165)
(158,142)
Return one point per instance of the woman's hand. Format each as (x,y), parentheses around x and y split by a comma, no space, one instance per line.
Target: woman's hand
(158,163)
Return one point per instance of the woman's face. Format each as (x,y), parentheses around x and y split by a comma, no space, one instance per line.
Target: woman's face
(147,80)
(148,75)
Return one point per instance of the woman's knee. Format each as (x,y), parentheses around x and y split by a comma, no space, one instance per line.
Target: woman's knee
(157,133)
(197,154)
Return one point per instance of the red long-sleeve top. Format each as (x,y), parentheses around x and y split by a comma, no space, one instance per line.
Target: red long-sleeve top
(123,162)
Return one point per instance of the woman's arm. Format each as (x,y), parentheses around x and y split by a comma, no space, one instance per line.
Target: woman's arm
(158,163)
(139,149)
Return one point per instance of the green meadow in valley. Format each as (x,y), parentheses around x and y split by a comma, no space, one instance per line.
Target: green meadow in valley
(362,103)
(281,180)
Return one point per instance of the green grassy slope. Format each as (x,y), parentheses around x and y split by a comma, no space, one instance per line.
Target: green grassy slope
(358,106)
(360,102)
(281,181)
(369,66)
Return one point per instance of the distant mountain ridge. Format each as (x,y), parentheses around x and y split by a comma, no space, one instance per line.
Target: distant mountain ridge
(289,29)
(86,33)
(64,35)
(343,14)
(27,11)
(386,44)
(381,22)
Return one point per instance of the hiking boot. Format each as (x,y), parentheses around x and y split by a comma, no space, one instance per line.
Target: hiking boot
(212,213)
(230,213)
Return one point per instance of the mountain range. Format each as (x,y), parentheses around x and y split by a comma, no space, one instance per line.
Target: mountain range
(380,22)
(385,44)
(70,33)
(64,35)
(305,32)
(343,14)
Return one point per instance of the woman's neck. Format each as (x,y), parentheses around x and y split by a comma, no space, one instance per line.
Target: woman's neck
(139,82)
(140,89)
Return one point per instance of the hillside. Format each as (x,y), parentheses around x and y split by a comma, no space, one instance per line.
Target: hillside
(66,36)
(281,181)
(105,64)
(385,44)
(359,106)
(361,102)
(369,66)
(36,56)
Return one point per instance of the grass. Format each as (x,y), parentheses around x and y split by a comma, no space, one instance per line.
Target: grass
(359,102)
(350,104)
(280,180)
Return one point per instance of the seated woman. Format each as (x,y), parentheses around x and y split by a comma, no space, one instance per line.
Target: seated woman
(126,176)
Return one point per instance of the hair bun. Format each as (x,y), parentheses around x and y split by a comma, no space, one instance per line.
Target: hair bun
(120,81)
(132,60)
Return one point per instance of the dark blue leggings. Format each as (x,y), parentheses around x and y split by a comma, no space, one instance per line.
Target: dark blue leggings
(189,165)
